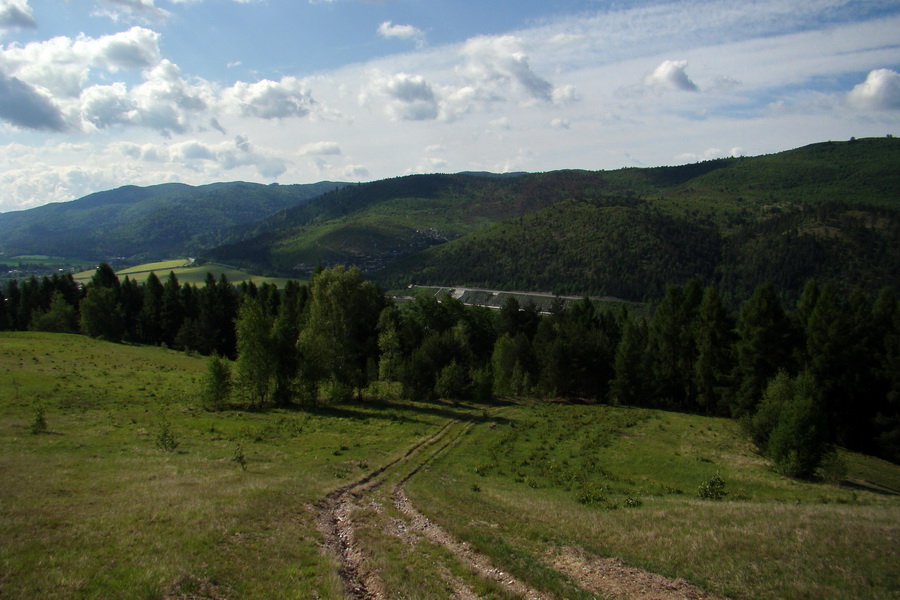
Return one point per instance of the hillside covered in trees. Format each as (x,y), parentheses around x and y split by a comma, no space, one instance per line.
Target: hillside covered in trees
(146,223)
(827,211)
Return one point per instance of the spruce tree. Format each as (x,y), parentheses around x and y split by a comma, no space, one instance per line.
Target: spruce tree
(763,347)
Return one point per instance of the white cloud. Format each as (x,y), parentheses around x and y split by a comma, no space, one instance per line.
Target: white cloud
(321,149)
(142,9)
(268,99)
(501,63)
(880,91)
(407,97)
(63,65)
(388,30)
(670,75)
(226,156)
(428,164)
(354,173)
(165,102)
(16,14)
(566,94)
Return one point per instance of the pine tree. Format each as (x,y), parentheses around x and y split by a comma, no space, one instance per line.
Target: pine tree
(151,310)
(629,386)
(762,349)
(101,314)
(712,339)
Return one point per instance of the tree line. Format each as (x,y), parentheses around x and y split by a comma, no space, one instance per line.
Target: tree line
(820,372)
(167,313)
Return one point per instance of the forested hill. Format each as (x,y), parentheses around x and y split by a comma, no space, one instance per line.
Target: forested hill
(829,211)
(142,223)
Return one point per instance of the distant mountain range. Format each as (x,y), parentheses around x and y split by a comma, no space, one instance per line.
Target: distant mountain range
(146,223)
(829,211)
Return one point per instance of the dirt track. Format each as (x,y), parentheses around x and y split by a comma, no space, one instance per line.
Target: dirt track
(605,576)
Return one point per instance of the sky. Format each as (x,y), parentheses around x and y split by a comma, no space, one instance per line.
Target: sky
(96,94)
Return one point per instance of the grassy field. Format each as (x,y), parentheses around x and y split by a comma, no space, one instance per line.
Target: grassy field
(546,481)
(195,275)
(95,507)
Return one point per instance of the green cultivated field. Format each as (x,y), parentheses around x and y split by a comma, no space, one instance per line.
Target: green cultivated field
(94,508)
(195,275)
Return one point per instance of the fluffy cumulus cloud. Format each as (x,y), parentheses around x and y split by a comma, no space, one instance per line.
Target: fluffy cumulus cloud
(63,66)
(670,74)
(164,102)
(407,97)
(388,30)
(500,63)
(16,14)
(880,91)
(267,99)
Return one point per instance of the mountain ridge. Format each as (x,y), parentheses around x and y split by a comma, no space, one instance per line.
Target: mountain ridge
(829,210)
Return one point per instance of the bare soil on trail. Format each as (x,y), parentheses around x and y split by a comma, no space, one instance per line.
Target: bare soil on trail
(607,577)
(613,579)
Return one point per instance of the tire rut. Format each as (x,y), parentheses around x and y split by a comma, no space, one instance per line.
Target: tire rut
(333,521)
(361,582)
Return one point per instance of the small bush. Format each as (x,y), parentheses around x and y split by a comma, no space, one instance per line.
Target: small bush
(165,439)
(239,457)
(632,502)
(591,496)
(39,424)
(712,489)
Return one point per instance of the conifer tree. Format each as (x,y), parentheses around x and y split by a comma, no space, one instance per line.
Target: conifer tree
(763,347)
(712,339)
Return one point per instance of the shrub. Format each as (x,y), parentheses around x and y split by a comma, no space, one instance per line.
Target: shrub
(39,424)
(239,457)
(165,439)
(217,384)
(712,489)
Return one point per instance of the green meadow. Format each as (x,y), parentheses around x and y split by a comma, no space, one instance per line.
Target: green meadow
(116,483)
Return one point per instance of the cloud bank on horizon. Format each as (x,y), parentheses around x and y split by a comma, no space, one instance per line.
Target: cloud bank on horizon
(102,93)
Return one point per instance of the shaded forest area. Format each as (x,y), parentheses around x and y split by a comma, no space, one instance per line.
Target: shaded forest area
(822,371)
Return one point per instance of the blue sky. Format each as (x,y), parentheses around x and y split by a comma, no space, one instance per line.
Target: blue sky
(95,94)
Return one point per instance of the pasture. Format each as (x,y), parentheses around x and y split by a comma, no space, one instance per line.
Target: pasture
(129,489)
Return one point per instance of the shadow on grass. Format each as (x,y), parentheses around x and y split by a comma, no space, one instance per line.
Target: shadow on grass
(396,411)
(869,486)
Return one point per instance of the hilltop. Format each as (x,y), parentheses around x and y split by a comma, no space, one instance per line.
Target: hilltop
(827,211)
(146,223)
